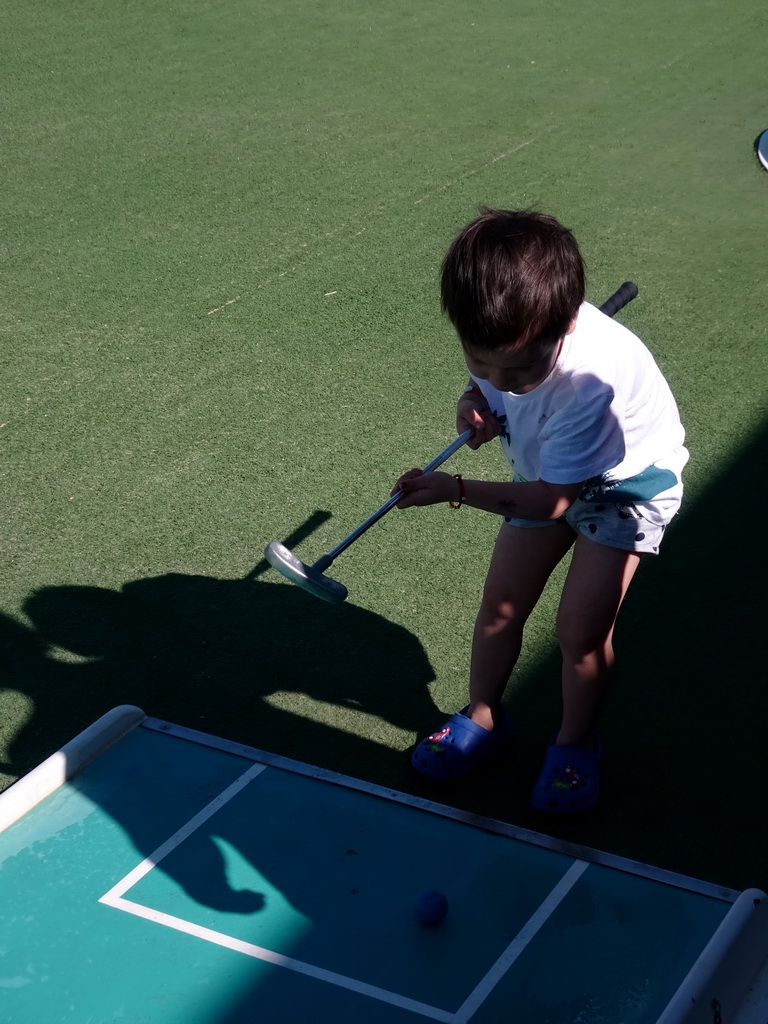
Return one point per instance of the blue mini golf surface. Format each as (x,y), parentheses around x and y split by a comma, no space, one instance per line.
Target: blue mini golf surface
(176,881)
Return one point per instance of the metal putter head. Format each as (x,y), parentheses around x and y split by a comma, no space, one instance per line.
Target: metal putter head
(308,577)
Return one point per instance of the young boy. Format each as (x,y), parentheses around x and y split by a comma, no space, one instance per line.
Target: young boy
(594,438)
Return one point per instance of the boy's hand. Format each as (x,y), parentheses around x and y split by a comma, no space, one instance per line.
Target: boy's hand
(474,413)
(425,488)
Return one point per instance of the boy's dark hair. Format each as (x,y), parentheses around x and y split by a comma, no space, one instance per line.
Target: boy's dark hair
(512,278)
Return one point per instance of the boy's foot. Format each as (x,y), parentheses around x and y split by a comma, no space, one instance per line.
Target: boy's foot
(453,751)
(569,782)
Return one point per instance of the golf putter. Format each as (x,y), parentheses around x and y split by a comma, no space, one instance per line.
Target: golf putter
(311,577)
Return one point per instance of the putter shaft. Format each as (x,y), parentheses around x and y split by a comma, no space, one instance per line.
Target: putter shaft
(326,560)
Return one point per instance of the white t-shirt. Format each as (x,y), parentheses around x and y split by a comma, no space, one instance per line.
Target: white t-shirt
(605,414)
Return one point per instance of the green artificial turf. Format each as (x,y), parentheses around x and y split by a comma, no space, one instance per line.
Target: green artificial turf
(221,233)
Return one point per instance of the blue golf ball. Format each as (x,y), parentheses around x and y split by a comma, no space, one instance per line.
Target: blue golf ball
(431,907)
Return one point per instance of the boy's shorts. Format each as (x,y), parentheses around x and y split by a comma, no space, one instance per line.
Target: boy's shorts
(629,524)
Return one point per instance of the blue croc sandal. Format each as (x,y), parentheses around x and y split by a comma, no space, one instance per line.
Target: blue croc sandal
(453,751)
(569,782)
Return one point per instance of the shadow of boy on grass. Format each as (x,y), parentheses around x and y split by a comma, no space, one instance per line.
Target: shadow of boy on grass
(235,658)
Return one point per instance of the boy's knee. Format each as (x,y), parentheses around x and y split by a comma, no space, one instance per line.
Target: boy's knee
(499,611)
(494,607)
(579,637)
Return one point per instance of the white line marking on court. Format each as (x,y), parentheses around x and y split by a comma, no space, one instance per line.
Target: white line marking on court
(114,898)
(468,174)
(279,960)
(520,941)
(183,833)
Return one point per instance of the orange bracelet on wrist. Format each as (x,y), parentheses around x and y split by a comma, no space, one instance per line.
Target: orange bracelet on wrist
(462,493)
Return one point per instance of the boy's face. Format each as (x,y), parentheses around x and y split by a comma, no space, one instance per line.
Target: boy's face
(516,370)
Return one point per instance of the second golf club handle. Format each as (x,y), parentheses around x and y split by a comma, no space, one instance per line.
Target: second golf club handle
(619,299)
(322,563)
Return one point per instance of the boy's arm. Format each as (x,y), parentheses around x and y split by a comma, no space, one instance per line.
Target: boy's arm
(536,499)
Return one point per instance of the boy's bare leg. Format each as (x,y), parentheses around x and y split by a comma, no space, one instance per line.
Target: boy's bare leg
(597,581)
(522,561)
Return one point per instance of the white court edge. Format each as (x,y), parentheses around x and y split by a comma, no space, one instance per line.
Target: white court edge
(43,780)
(114,898)
(574,851)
